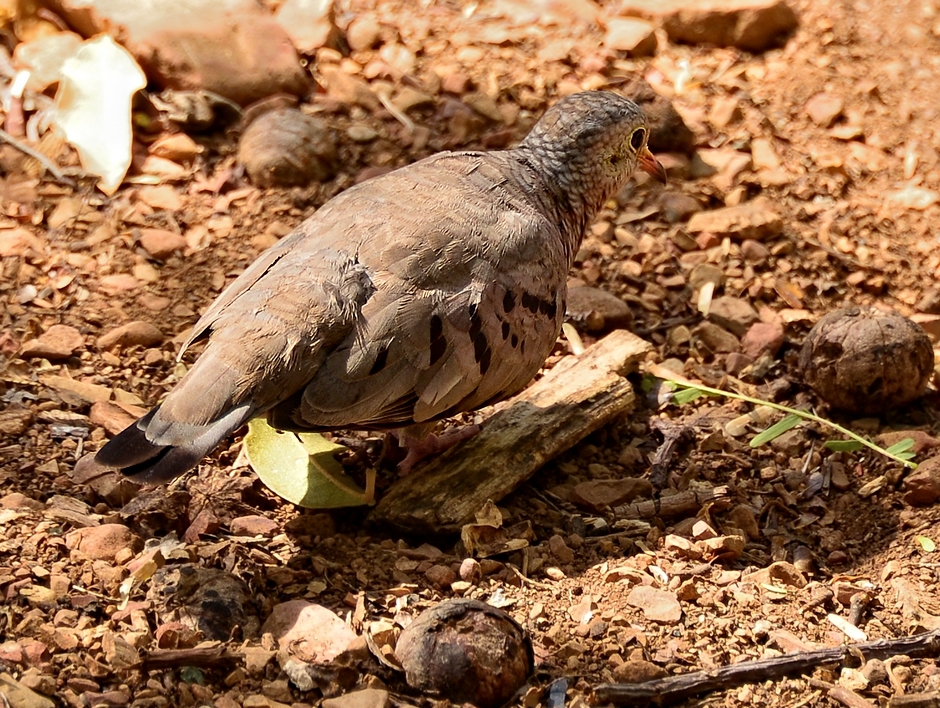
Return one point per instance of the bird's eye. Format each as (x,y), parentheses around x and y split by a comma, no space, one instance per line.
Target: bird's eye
(637,139)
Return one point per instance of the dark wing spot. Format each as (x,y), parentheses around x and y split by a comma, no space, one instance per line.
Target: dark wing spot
(509,301)
(380,361)
(514,341)
(437,327)
(530,302)
(476,326)
(485,360)
(548,308)
(505,330)
(472,309)
(480,345)
(438,349)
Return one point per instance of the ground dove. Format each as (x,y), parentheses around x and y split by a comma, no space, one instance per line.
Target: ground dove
(431,290)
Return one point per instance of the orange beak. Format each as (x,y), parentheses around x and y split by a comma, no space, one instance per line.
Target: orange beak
(651,166)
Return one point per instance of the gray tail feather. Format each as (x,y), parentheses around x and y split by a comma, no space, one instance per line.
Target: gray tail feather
(132,452)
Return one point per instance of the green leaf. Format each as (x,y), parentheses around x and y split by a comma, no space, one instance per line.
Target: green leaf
(301,468)
(686,395)
(844,445)
(776,430)
(901,446)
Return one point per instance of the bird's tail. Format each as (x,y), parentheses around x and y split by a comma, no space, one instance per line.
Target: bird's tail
(138,452)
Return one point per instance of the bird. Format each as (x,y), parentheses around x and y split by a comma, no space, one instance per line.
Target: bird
(431,290)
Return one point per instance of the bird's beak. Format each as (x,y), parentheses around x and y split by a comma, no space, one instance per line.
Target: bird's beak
(651,166)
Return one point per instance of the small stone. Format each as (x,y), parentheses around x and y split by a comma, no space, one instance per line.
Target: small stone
(484,105)
(363,32)
(657,605)
(136,333)
(309,632)
(734,314)
(922,486)
(755,219)
(17,695)
(16,500)
(754,251)
(178,147)
(725,111)
(824,108)
(57,342)
(596,310)
(763,338)
(104,542)
(715,339)
(160,243)
(736,362)
(455,82)
(638,671)
(364,698)
(440,576)
(308,23)
(677,207)
(254,525)
(778,572)
(18,242)
(286,147)
(631,35)
(470,570)
(601,494)
(111,416)
(559,549)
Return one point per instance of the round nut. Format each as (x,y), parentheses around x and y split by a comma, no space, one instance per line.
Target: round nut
(866,361)
(286,147)
(466,651)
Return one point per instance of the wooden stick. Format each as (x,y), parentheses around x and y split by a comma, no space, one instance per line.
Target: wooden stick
(578,396)
(672,689)
(678,504)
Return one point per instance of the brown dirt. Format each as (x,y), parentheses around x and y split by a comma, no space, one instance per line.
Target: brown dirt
(842,242)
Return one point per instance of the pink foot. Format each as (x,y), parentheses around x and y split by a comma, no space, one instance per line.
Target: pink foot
(419,448)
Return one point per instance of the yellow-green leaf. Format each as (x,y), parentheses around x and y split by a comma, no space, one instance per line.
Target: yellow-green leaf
(301,468)
(926,543)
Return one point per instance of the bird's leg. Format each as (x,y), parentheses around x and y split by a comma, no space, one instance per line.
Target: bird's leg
(419,443)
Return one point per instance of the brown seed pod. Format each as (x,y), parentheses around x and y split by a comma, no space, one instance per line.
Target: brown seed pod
(866,361)
(286,147)
(466,651)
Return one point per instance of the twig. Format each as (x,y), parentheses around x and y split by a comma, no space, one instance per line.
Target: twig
(208,657)
(672,689)
(675,505)
(50,166)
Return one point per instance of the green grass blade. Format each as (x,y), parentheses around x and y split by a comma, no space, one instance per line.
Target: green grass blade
(776,430)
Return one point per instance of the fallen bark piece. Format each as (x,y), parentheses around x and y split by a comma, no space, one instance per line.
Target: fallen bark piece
(578,396)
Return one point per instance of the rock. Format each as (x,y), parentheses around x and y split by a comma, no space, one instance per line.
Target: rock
(116,488)
(751,25)
(755,219)
(348,88)
(677,207)
(309,24)
(470,570)
(668,132)
(229,47)
(631,35)
(57,342)
(722,165)
(601,494)
(754,251)
(363,32)
(736,362)
(136,333)
(363,698)
(559,549)
(923,484)
(104,542)
(309,632)
(16,695)
(734,314)
(657,605)
(823,109)
(178,147)
(254,525)
(715,339)
(286,147)
(778,572)
(18,242)
(763,338)
(111,416)
(17,500)
(725,111)
(638,671)
(160,243)
(73,390)
(596,310)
